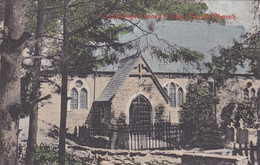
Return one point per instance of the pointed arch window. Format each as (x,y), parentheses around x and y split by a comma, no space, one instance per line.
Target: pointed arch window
(180,96)
(74,99)
(83,99)
(172,94)
(253,93)
(246,93)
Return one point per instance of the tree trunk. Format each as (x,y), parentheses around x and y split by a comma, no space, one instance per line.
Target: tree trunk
(11,55)
(33,125)
(64,98)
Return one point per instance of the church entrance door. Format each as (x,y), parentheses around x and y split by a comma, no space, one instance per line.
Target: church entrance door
(140,111)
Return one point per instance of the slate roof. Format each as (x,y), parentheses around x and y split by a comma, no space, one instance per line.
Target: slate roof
(201,37)
(125,67)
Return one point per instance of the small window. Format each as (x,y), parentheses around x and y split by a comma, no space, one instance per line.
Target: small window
(83,99)
(172,94)
(246,93)
(74,99)
(79,84)
(180,96)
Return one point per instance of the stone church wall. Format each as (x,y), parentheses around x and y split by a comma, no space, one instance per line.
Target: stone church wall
(131,89)
(50,112)
(234,92)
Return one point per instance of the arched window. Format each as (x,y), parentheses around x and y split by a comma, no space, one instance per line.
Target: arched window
(83,99)
(180,96)
(74,99)
(172,94)
(246,93)
(253,93)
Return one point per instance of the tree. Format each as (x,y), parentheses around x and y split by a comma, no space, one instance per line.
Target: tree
(198,117)
(86,31)
(225,62)
(64,81)
(14,38)
(35,94)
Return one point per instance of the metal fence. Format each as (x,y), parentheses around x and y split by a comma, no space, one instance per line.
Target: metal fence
(133,137)
(250,151)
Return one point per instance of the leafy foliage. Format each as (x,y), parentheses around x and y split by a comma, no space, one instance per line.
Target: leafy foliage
(159,113)
(46,155)
(197,116)
(90,34)
(246,112)
(182,8)
(240,54)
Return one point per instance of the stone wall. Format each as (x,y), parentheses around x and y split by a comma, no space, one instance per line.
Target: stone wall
(50,112)
(206,159)
(106,156)
(131,89)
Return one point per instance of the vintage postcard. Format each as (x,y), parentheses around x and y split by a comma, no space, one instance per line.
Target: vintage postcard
(129,82)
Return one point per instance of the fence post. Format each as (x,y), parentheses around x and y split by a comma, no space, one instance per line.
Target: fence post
(114,136)
(258,146)
(240,150)
(234,150)
(246,149)
(252,156)
(75,133)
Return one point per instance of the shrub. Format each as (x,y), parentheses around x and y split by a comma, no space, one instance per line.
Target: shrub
(198,117)
(46,155)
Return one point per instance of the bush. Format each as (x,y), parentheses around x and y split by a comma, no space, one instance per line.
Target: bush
(198,117)
(46,155)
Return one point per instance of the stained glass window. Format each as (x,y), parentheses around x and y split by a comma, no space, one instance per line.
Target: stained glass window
(172,94)
(83,99)
(74,99)
(180,96)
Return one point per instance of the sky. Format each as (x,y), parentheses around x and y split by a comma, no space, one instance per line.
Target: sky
(241,8)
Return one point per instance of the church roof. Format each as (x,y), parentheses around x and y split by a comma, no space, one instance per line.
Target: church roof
(125,67)
(201,37)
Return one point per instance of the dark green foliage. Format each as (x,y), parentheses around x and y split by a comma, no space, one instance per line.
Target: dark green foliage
(181,54)
(244,109)
(227,114)
(2,6)
(240,54)
(46,155)
(247,112)
(159,114)
(53,13)
(198,117)
(121,121)
(89,33)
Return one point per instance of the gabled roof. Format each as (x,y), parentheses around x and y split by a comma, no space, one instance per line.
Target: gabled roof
(201,37)
(125,68)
